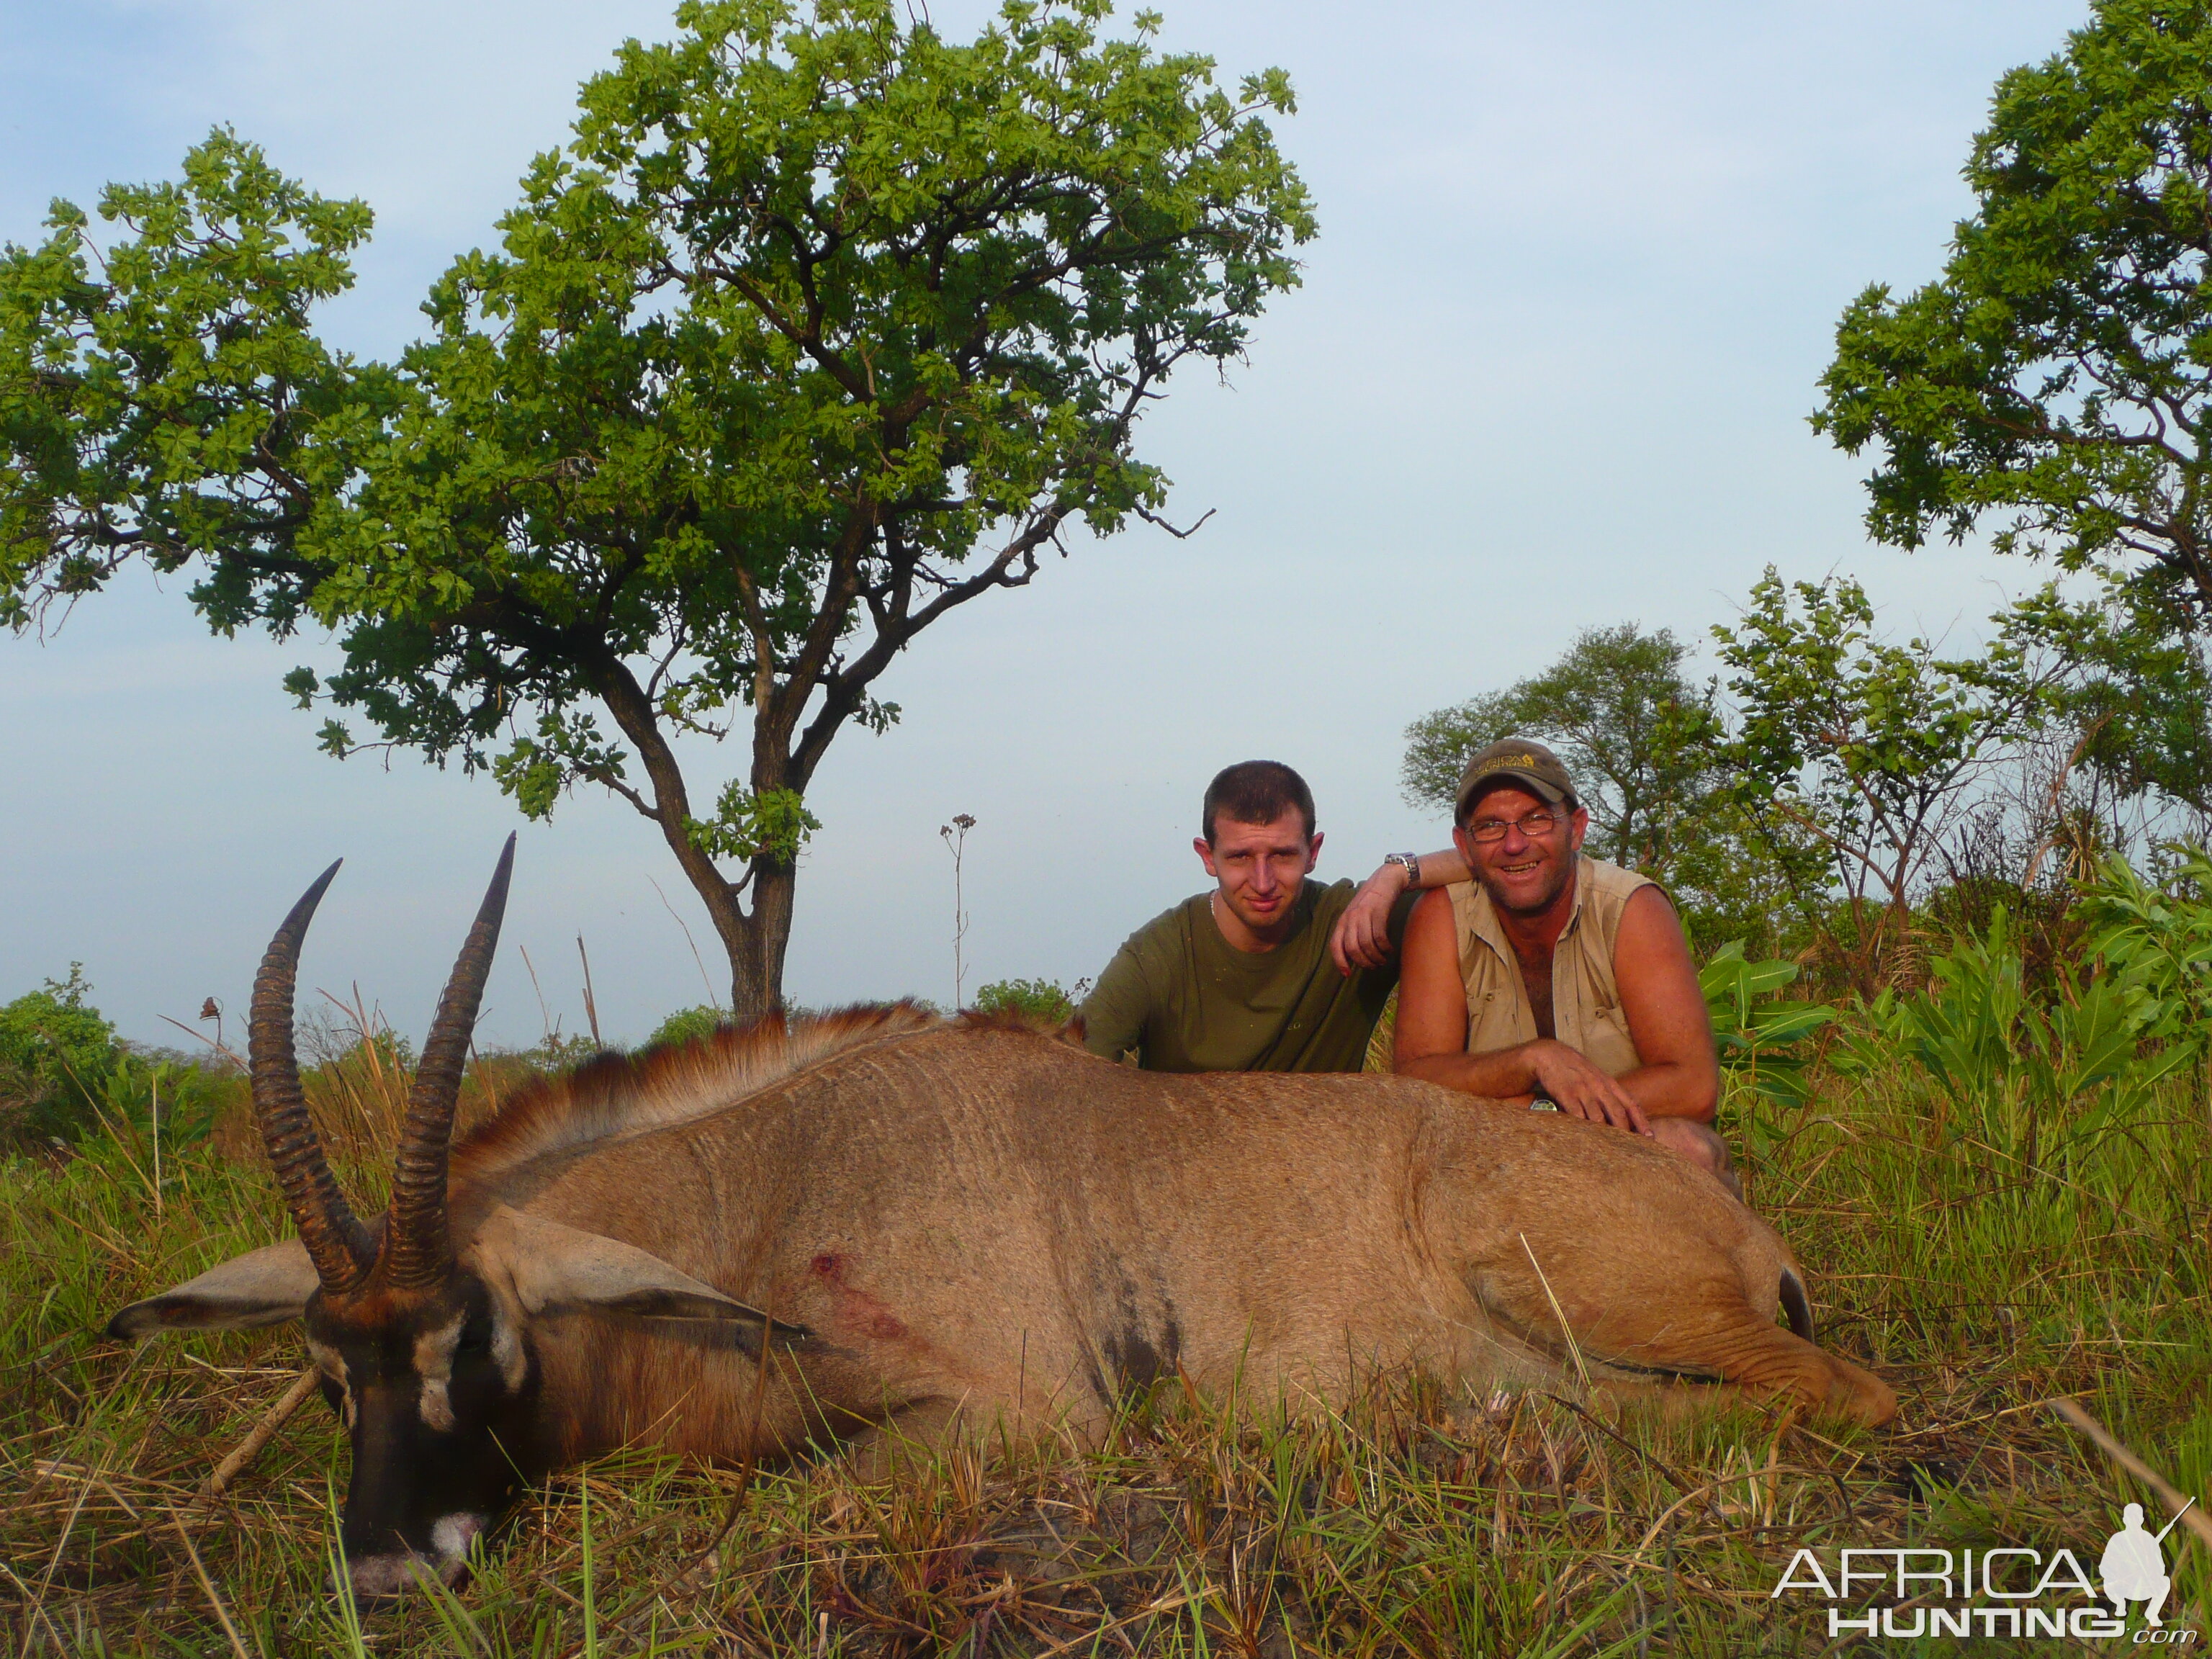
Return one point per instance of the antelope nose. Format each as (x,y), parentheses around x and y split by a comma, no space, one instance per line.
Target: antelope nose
(451,1537)
(380,1577)
(383,1577)
(387,1577)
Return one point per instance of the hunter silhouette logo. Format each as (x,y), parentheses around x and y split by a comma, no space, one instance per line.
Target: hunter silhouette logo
(2134,1566)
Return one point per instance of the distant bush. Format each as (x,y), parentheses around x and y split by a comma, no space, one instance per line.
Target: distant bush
(555,1053)
(63,1076)
(686,1024)
(57,1057)
(1042,1000)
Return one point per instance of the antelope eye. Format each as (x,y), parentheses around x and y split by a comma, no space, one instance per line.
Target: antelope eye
(476,1337)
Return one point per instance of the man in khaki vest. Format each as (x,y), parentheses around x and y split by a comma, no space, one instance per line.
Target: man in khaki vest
(1555,980)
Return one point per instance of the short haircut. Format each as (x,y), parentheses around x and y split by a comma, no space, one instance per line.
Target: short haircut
(1257,792)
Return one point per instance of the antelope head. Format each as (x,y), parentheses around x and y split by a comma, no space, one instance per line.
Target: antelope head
(424,1340)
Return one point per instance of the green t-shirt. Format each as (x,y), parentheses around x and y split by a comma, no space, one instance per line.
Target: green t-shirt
(1183,999)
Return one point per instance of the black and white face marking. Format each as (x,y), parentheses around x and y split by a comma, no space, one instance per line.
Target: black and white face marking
(435,1391)
(433,1364)
(331,1363)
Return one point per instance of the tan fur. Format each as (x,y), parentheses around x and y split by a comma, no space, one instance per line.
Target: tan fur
(982,1223)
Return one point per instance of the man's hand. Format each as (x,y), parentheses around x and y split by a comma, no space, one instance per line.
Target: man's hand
(1580,1088)
(1362,936)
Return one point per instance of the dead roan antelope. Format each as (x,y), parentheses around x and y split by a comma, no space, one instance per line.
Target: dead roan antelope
(880,1225)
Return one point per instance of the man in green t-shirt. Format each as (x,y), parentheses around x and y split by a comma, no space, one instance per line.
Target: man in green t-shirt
(1240,978)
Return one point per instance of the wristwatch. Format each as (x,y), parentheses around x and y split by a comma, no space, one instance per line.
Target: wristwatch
(1543,1103)
(1409,862)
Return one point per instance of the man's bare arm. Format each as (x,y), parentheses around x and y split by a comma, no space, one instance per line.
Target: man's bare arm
(1362,936)
(1665,1007)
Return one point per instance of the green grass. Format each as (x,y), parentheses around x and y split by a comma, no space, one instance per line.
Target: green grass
(2024,1249)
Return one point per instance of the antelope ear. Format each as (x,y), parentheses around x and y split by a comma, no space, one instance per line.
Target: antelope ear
(262,1287)
(550,1266)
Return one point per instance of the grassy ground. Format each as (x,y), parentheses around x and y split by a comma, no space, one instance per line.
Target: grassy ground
(1985,1255)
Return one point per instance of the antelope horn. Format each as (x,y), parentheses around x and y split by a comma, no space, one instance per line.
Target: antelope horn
(418,1245)
(337,1243)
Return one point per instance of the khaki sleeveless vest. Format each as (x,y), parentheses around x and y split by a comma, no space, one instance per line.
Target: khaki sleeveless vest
(1585,1000)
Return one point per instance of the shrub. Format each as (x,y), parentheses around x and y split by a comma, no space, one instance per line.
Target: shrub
(686,1024)
(57,1057)
(1041,1000)
(1758,1037)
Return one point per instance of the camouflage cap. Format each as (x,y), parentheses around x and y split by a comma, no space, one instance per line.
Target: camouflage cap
(1516,761)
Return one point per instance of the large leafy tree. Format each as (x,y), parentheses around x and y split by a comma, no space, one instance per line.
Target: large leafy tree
(2052,382)
(821,327)
(2135,690)
(1632,730)
(1867,750)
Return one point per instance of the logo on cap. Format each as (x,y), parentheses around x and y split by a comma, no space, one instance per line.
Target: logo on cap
(1522,760)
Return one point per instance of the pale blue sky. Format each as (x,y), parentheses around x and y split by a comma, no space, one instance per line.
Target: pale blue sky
(1578,269)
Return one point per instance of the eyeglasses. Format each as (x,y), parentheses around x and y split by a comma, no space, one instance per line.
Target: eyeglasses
(1534,825)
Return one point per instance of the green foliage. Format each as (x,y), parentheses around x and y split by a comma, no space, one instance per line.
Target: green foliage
(822,326)
(1743,873)
(1862,739)
(555,1051)
(2004,1062)
(1633,732)
(1759,1039)
(65,1077)
(146,1098)
(177,405)
(1043,1000)
(746,825)
(2054,375)
(2135,686)
(57,1057)
(536,771)
(689,1026)
(2162,938)
(1864,748)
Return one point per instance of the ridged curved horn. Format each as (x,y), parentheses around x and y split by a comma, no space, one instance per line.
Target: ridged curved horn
(337,1243)
(419,1246)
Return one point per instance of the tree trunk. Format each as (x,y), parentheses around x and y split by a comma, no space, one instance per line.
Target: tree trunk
(756,943)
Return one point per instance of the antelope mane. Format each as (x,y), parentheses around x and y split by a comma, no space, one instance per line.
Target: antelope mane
(616,1095)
